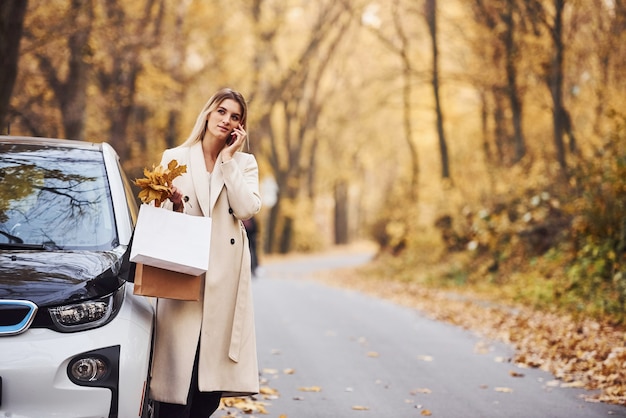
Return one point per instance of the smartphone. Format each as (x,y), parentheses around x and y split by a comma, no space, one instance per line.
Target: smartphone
(231,138)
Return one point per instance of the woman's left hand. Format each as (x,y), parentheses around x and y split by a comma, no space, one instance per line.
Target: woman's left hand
(177,199)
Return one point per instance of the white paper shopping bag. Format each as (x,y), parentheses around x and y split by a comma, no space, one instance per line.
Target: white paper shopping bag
(171,240)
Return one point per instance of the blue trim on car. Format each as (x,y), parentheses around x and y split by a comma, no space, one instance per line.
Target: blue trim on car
(7,305)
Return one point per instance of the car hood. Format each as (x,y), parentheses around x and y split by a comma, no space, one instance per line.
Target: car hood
(50,278)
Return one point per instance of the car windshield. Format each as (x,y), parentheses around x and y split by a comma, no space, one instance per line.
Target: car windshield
(54,198)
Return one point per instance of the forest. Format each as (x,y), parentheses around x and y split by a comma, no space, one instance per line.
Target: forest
(488,135)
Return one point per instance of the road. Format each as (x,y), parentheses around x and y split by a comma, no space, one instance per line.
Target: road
(336,353)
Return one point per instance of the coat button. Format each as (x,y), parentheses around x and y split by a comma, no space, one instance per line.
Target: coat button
(230,210)
(232,241)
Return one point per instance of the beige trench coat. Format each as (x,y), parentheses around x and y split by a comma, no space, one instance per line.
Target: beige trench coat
(223,320)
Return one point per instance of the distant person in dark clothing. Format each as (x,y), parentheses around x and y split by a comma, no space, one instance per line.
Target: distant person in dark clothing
(252,230)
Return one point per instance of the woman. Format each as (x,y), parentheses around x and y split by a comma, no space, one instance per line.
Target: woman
(207,349)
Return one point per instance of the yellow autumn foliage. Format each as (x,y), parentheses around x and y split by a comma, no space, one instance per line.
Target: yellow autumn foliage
(157,184)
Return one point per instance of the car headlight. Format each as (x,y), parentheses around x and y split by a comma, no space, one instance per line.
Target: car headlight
(88,314)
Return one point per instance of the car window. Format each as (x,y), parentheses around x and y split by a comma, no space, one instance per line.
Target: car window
(55,197)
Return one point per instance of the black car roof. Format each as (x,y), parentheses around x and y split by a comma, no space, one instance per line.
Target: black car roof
(56,142)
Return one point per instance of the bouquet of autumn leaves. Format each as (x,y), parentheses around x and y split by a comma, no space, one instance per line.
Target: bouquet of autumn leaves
(157,184)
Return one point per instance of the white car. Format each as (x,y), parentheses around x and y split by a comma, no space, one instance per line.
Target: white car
(74,339)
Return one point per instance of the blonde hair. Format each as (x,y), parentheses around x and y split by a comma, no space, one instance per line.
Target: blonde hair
(199,129)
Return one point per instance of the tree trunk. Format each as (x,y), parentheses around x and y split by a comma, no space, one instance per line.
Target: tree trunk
(176,70)
(556,83)
(269,242)
(407,107)
(408,132)
(484,126)
(124,96)
(431,20)
(341,213)
(511,76)
(12,14)
(500,132)
(171,133)
(71,93)
(73,97)
(286,235)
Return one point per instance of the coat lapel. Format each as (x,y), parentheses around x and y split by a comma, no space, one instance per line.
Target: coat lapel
(200,179)
(217,180)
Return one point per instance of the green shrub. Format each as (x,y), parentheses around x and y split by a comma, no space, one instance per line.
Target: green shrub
(597,272)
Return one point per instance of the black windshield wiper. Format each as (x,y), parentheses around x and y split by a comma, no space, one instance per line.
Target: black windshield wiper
(22,246)
(48,246)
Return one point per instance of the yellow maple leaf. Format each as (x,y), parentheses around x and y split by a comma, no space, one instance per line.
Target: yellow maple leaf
(264,390)
(310,389)
(574,384)
(421,390)
(360,408)
(157,183)
(175,170)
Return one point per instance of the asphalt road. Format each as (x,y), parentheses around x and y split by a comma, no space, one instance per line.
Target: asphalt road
(335,353)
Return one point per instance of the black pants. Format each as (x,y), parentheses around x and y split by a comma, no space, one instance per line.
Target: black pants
(199,404)
(254,259)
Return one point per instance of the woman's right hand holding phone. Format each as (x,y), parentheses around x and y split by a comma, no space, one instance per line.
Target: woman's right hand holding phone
(234,142)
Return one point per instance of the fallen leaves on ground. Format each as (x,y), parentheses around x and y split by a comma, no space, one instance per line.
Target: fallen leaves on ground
(247,405)
(360,408)
(503,390)
(421,390)
(268,393)
(310,389)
